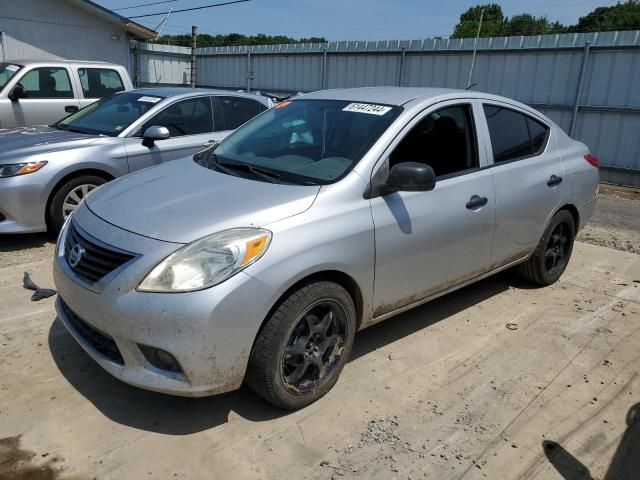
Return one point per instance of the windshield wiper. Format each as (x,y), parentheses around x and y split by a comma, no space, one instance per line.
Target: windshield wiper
(228,167)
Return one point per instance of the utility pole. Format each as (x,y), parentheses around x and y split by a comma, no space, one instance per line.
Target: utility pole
(194,35)
(475,49)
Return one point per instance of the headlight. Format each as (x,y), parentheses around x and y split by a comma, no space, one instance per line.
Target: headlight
(208,261)
(15,169)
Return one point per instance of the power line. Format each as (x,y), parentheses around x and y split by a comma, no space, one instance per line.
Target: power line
(190,9)
(142,5)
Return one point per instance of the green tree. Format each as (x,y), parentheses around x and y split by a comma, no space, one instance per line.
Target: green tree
(231,39)
(526,24)
(493,22)
(622,16)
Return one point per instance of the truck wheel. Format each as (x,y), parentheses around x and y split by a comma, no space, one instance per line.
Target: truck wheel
(67,197)
(304,345)
(553,252)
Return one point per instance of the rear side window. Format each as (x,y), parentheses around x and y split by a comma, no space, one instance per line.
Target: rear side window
(47,82)
(100,82)
(187,117)
(514,135)
(231,112)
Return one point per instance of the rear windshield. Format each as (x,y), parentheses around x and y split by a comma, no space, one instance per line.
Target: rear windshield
(309,141)
(7,70)
(109,116)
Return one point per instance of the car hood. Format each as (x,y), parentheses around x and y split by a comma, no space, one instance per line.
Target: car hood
(16,143)
(182,201)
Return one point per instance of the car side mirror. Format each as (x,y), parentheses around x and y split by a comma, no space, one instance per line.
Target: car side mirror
(411,177)
(17,92)
(154,133)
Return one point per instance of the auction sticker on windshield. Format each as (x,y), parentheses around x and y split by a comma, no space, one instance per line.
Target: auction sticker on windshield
(369,108)
(13,68)
(149,99)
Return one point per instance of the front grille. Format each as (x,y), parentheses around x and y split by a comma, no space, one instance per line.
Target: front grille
(100,342)
(96,261)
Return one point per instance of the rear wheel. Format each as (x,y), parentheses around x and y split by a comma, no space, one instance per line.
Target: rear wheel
(303,346)
(68,197)
(553,252)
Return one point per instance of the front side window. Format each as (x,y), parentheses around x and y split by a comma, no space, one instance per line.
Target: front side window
(109,116)
(187,117)
(514,135)
(47,82)
(445,140)
(308,141)
(7,70)
(100,82)
(231,112)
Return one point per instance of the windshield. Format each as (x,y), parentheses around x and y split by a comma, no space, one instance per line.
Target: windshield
(306,141)
(7,70)
(109,116)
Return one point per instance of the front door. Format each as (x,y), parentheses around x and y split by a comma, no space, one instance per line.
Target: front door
(50,98)
(190,123)
(427,242)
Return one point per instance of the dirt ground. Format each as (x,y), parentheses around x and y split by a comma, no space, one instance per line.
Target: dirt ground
(498,380)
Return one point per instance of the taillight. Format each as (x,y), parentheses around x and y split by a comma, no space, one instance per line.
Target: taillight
(593,160)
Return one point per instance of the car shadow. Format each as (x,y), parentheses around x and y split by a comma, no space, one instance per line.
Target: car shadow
(11,243)
(172,415)
(625,463)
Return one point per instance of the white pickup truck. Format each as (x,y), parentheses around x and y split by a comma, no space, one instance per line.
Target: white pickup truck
(41,92)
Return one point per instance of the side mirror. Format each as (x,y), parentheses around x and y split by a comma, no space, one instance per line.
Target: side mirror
(411,177)
(154,133)
(17,92)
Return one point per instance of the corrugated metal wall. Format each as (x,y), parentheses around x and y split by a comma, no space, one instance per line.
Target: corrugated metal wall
(60,30)
(543,71)
(160,64)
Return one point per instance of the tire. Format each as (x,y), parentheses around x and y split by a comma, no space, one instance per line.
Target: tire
(57,211)
(553,252)
(319,358)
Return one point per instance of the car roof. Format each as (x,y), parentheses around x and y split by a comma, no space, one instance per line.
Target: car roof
(59,62)
(396,95)
(188,92)
(399,96)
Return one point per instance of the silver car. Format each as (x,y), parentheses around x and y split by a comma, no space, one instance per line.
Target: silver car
(46,171)
(258,260)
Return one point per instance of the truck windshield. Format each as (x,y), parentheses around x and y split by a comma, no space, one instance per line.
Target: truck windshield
(304,141)
(7,70)
(109,116)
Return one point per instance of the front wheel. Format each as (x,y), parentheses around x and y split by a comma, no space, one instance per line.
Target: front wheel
(67,198)
(303,346)
(553,252)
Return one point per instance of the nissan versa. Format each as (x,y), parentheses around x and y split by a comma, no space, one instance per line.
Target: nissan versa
(259,259)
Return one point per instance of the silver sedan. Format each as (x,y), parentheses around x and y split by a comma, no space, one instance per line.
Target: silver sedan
(258,260)
(46,171)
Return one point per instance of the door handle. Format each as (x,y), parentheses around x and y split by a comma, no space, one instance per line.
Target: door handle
(476,202)
(554,180)
(71,108)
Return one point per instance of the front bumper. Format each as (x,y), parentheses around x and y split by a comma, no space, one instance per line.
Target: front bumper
(210,333)
(23,201)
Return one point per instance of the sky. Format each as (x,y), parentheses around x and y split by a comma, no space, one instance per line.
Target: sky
(340,19)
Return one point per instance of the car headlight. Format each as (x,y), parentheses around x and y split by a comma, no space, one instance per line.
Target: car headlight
(208,261)
(15,169)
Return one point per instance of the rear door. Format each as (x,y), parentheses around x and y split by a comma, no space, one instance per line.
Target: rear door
(190,123)
(230,112)
(528,178)
(427,242)
(97,83)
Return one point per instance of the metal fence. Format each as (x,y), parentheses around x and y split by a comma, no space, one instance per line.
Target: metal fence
(588,83)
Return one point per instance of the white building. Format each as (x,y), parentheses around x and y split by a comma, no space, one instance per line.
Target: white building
(69,29)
